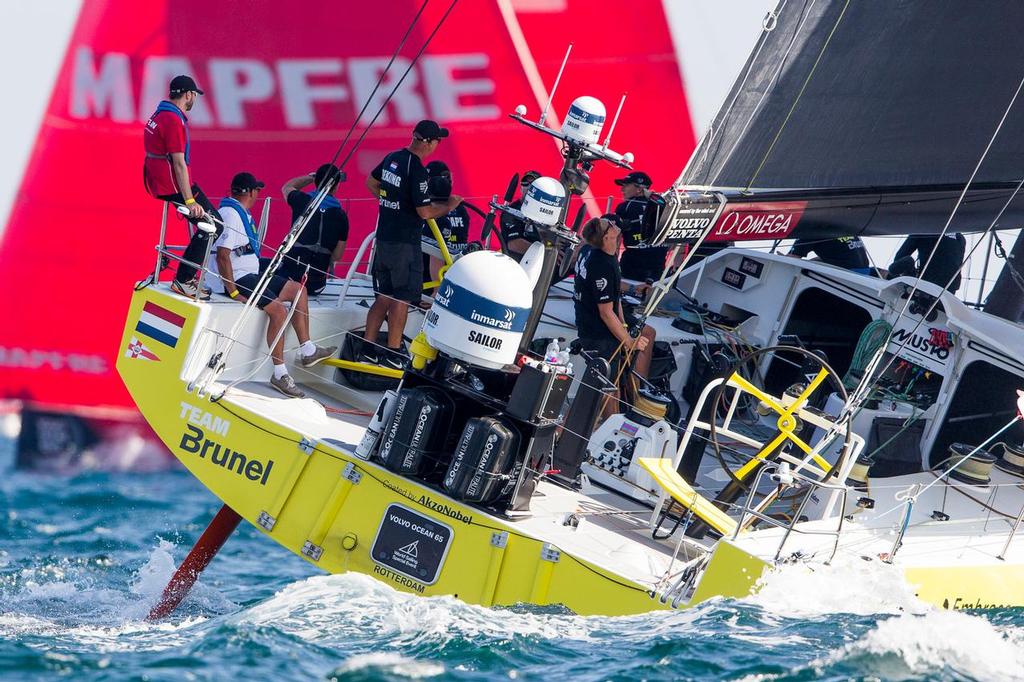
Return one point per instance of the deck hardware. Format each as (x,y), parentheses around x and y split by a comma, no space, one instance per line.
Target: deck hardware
(499,539)
(351,473)
(307,445)
(550,553)
(266,521)
(311,550)
(940,516)
(865,503)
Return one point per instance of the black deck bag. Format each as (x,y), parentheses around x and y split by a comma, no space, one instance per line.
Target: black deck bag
(485,451)
(352,350)
(412,442)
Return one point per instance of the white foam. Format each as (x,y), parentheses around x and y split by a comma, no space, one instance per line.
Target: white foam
(938,640)
(849,585)
(335,605)
(390,664)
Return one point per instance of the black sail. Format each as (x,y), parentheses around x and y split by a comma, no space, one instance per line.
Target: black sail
(875,113)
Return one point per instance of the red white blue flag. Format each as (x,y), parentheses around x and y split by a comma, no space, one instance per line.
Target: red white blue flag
(160,324)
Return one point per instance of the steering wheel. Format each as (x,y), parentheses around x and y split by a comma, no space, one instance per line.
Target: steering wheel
(795,418)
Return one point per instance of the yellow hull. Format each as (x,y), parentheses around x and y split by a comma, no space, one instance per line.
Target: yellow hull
(326,505)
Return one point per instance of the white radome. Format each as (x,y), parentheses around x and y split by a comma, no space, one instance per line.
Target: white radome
(480,310)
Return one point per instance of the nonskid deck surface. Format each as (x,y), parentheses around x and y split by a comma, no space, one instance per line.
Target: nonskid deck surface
(608,529)
(318,416)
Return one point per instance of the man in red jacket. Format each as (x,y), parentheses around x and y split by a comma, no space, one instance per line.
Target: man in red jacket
(166,177)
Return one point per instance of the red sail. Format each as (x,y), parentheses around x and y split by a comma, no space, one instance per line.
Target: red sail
(283,84)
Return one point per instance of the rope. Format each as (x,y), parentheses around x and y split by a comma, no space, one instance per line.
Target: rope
(871,339)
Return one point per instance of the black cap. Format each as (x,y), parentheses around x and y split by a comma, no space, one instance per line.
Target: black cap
(636,178)
(437,168)
(429,130)
(327,172)
(613,218)
(182,84)
(528,177)
(243,182)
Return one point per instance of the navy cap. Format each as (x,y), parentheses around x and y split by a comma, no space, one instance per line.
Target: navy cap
(636,178)
(327,172)
(429,130)
(437,168)
(244,182)
(528,177)
(182,84)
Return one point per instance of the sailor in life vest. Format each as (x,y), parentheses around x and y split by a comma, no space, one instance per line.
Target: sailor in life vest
(321,243)
(166,176)
(238,275)
(454,225)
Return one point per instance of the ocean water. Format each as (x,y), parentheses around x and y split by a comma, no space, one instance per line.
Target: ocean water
(82,559)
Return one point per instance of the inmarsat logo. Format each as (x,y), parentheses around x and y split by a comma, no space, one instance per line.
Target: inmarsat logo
(506,323)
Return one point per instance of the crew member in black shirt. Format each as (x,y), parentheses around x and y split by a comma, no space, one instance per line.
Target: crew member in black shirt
(454,226)
(640,261)
(597,297)
(518,234)
(843,252)
(400,184)
(946,263)
(322,242)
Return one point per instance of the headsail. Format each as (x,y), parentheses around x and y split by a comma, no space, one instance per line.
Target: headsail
(876,114)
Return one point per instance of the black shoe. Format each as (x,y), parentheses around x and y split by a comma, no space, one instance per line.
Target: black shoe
(394,359)
(369,354)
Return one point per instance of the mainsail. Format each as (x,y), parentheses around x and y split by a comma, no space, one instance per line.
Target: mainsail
(870,118)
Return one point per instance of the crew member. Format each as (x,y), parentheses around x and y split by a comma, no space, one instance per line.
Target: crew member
(640,261)
(400,184)
(238,269)
(454,226)
(944,269)
(598,290)
(165,174)
(519,234)
(321,243)
(843,252)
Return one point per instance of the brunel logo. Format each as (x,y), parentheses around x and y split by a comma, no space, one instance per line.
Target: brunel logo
(194,441)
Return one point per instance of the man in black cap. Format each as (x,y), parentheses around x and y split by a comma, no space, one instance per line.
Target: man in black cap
(400,183)
(454,226)
(238,273)
(517,233)
(640,261)
(322,242)
(166,177)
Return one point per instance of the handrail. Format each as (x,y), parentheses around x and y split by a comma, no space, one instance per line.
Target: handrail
(367,243)
(755,511)
(1013,532)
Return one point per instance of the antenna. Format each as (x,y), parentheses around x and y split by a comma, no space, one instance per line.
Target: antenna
(615,120)
(558,79)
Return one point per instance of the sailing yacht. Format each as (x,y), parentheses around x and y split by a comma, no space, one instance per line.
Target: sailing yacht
(822,413)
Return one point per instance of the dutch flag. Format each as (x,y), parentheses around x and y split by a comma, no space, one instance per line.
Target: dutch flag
(160,324)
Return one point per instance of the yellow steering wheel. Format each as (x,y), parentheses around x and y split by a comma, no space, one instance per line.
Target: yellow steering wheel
(795,417)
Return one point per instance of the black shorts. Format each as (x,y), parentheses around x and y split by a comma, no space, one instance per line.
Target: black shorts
(247,285)
(398,271)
